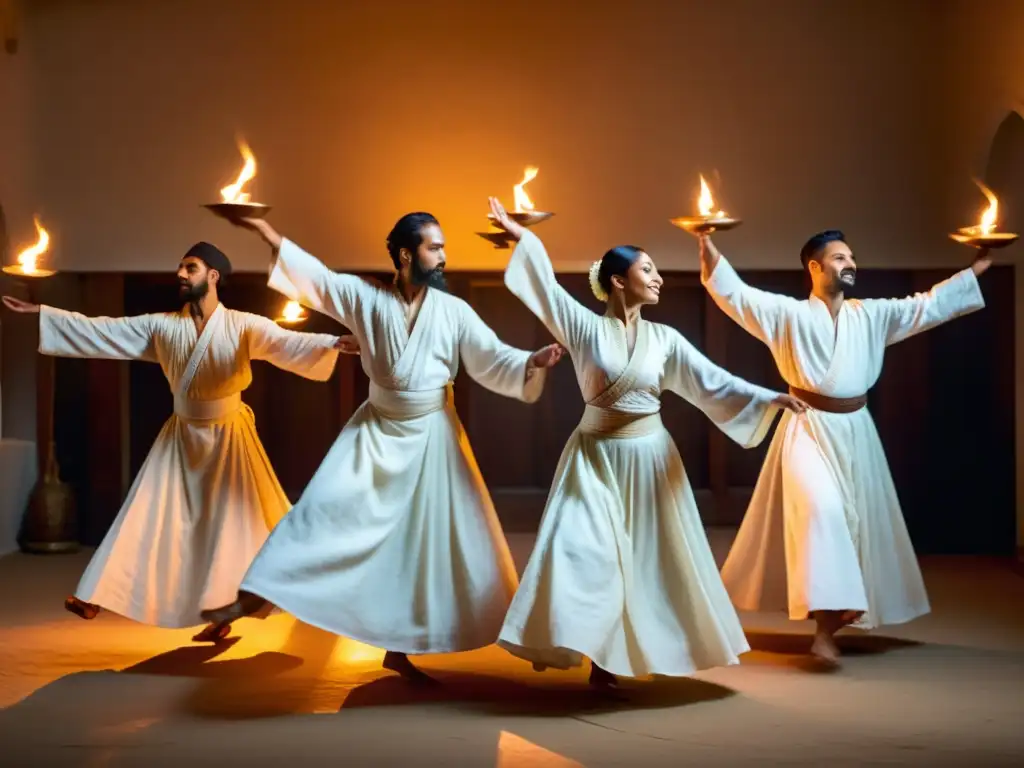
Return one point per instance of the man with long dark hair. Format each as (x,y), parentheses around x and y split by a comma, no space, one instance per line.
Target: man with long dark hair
(395,542)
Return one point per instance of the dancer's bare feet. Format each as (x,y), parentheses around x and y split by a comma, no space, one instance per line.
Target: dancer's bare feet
(81,608)
(247,604)
(824,648)
(399,662)
(213,633)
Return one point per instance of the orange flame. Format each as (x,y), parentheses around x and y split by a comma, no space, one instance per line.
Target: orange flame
(233,192)
(706,203)
(523,202)
(28,257)
(988,217)
(292,312)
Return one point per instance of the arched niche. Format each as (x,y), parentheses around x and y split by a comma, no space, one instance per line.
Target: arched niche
(1004,175)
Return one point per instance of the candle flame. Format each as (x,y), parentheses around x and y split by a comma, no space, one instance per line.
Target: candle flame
(292,312)
(28,257)
(233,192)
(706,203)
(988,218)
(522,200)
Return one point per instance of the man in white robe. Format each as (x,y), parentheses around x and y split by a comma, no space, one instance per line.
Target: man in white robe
(395,542)
(824,534)
(206,496)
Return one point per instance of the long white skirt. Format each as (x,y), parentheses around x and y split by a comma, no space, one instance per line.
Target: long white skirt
(395,542)
(824,530)
(198,512)
(622,571)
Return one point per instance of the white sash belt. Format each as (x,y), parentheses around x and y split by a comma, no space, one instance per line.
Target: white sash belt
(402,406)
(602,422)
(207,410)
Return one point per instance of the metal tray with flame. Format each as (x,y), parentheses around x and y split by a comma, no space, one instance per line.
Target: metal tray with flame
(973,237)
(17,270)
(526,218)
(236,211)
(501,240)
(705,224)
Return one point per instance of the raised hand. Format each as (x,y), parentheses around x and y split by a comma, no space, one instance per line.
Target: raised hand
(982,261)
(347,344)
(502,220)
(547,356)
(260,227)
(17,305)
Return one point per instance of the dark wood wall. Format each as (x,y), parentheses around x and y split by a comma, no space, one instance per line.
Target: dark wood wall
(944,406)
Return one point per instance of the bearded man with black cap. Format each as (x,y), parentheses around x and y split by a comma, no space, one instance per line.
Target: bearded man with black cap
(206,496)
(824,534)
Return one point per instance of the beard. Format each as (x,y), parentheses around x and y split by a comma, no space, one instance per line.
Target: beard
(193,293)
(846,279)
(431,278)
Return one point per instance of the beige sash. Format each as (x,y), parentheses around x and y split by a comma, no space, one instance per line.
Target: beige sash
(213,326)
(207,410)
(627,379)
(404,406)
(603,422)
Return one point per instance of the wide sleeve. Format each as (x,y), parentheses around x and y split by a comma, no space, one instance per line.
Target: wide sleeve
(531,278)
(305,279)
(311,355)
(758,312)
(742,410)
(70,334)
(495,365)
(900,319)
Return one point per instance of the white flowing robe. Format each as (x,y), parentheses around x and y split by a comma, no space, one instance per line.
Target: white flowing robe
(621,570)
(824,530)
(395,542)
(206,495)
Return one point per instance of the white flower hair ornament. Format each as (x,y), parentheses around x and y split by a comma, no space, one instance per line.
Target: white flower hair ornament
(595,283)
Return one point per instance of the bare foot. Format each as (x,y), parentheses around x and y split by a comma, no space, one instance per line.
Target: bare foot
(81,608)
(850,617)
(399,662)
(824,650)
(213,633)
(247,604)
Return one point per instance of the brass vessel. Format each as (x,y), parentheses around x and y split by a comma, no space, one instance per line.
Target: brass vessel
(51,521)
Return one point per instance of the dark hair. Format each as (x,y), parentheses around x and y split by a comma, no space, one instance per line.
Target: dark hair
(408,234)
(813,246)
(617,261)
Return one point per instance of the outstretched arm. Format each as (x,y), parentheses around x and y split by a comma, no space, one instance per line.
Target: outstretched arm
(70,334)
(742,410)
(303,278)
(960,295)
(310,355)
(758,312)
(500,368)
(531,278)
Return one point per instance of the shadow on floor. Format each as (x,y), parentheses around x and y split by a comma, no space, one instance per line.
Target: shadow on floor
(554,698)
(793,650)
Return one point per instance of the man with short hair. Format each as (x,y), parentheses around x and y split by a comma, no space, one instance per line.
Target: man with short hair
(395,542)
(824,533)
(206,496)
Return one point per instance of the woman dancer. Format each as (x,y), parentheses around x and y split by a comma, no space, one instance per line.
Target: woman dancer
(622,571)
